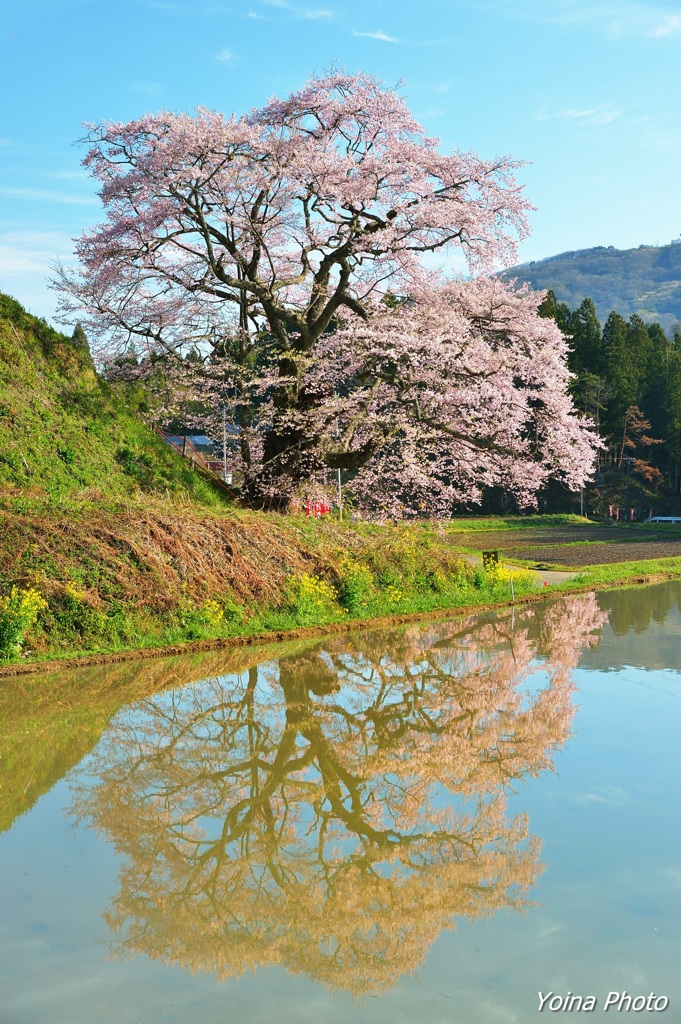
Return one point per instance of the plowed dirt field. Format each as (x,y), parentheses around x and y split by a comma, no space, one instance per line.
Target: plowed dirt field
(578,546)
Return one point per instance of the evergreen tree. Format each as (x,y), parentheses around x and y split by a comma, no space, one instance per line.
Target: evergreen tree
(560,312)
(628,381)
(587,341)
(664,400)
(620,371)
(640,346)
(655,399)
(79,338)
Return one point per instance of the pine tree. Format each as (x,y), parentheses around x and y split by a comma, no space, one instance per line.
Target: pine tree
(587,341)
(655,400)
(79,338)
(621,371)
(560,312)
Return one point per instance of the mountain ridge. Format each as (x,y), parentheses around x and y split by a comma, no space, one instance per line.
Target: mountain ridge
(645,280)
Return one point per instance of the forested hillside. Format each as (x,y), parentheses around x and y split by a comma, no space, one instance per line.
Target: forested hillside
(628,381)
(645,281)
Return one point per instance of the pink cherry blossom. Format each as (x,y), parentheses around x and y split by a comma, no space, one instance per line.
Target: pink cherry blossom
(266,245)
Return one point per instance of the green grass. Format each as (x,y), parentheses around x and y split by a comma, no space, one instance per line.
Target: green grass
(155,574)
(64,433)
(288,614)
(490,524)
(621,572)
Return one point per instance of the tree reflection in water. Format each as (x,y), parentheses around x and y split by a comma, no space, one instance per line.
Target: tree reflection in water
(333,812)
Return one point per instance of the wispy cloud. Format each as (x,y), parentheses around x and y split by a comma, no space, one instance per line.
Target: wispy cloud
(255,16)
(613,795)
(69,175)
(147,88)
(612,18)
(26,264)
(50,197)
(382,36)
(600,115)
(32,252)
(668,26)
(306,13)
(226,56)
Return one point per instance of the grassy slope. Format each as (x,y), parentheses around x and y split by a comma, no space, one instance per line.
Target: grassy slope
(143,575)
(491,524)
(65,434)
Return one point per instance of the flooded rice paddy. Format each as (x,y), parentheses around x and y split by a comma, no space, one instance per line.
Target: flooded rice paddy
(443,822)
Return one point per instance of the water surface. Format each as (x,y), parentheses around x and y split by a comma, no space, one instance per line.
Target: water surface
(433,823)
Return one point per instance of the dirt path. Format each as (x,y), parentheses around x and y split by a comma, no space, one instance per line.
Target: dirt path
(552,575)
(542,576)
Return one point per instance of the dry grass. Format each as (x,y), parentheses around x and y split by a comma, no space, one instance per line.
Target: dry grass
(157,573)
(148,557)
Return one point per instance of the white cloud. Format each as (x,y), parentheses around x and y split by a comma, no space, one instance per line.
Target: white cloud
(615,796)
(70,175)
(225,56)
(669,25)
(255,16)
(26,259)
(306,13)
(549,931)
(594,115)
(600,115)
(147,88)
(612,18)
(380,35)
(33,250)
(16,263)
(51,197)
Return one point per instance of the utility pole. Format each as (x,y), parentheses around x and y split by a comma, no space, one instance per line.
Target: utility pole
(626,489)
(338,479)
(224,443)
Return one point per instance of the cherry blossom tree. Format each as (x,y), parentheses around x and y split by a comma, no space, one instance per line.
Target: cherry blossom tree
(270,243)
(435,399)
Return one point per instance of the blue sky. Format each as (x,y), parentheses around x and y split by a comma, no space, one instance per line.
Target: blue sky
(587,92)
